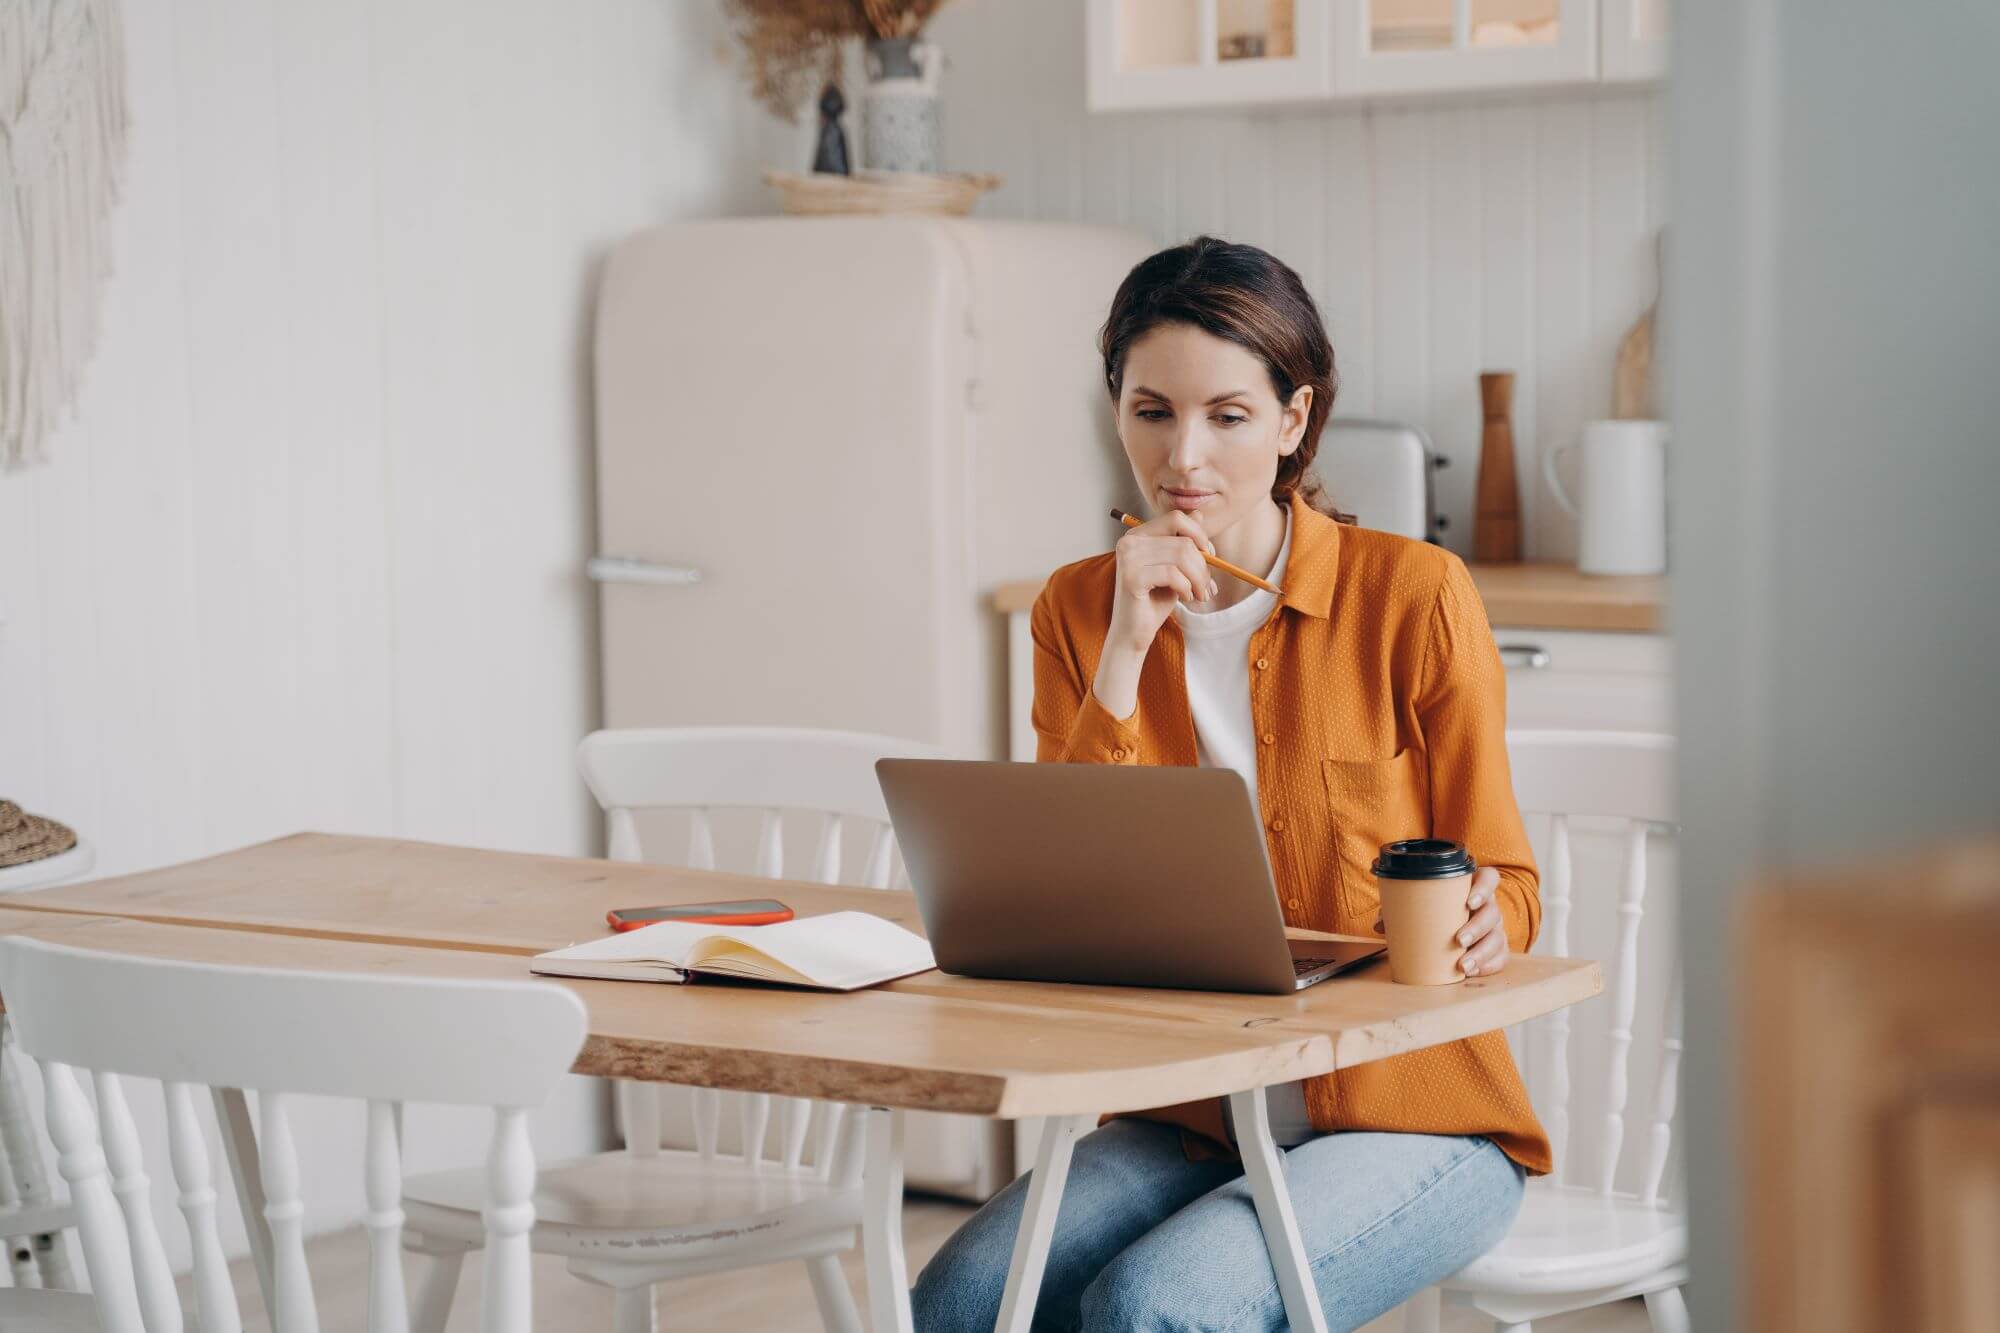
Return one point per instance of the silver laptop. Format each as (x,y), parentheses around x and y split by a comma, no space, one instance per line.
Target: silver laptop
(1109,874)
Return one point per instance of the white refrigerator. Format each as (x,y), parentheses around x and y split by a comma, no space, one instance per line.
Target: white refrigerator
(821,444)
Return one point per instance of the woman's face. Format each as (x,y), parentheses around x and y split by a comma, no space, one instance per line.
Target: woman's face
(1202,425)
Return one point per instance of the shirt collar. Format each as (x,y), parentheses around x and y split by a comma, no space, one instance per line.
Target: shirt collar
(1314,562)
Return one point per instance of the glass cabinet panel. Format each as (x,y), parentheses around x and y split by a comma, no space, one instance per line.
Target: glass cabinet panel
(1254,30)
(1515,22)
(1158,34)
(1410,25)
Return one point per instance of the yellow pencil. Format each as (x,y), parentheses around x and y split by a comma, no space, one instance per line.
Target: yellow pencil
(1215,560)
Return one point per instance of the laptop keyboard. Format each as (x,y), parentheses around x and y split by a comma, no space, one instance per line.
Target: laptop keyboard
(1301,966)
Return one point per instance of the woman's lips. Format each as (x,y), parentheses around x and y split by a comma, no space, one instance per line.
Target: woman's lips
(1187,500)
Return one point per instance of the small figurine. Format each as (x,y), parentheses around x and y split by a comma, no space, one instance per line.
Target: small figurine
(832,154)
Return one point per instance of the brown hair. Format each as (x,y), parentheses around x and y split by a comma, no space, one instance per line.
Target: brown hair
(1249,297)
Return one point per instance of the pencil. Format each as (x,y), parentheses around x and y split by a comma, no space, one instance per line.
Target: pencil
(1214,560)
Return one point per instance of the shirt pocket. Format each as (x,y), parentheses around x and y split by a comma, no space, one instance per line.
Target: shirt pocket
(1370,802)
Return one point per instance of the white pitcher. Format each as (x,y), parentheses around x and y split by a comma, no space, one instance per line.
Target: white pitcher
(899,122)
(1622,520)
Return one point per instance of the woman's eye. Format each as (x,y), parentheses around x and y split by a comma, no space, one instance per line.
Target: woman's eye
(1230,419)
(1151,414)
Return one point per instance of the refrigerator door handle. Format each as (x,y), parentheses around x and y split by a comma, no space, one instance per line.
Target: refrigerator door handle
(618,569)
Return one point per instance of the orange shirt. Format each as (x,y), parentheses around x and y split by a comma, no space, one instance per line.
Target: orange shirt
(1379,687)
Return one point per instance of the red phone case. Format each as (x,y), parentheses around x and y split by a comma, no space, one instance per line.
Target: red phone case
(710,919)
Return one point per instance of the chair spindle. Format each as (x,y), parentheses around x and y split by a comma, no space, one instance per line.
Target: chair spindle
(388,1307)
(187,1149)
(154,1281)
(1631,908)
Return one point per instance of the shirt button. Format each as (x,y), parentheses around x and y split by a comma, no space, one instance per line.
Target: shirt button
(1263,662)
(1119,755)
(1294,904)
(1270,738)
(1277,826)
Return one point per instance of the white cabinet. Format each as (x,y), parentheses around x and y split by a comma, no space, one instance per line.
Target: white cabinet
(1428,46)
(1632,41)
(1563,679)
(1166,53)
(1157,54)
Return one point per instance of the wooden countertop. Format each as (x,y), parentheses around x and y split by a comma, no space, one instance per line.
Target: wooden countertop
(1539,595)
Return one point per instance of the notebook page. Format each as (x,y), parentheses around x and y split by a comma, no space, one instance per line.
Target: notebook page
(662,942)
(841,950)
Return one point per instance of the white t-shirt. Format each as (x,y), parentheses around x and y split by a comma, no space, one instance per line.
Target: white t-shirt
(1218,690)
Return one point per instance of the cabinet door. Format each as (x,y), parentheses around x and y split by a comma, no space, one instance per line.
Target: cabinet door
(1420,46)
(1149,54)
(1569,679)
(1634,44)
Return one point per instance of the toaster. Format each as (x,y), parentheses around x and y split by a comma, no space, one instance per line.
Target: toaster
(1381,472)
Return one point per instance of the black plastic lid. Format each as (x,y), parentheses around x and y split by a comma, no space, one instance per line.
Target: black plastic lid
(1423,858)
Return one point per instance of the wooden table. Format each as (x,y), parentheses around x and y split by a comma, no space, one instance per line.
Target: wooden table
(930,1042)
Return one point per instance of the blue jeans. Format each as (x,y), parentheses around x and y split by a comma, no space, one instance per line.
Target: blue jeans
(1147,1240)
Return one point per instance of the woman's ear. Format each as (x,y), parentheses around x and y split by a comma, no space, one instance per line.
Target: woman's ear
(1292,427)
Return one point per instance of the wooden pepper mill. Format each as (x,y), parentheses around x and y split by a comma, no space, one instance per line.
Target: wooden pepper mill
(1496,526)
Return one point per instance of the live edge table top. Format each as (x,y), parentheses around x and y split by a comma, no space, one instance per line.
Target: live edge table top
(931,1042)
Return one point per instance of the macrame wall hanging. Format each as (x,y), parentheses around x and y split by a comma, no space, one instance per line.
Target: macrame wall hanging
(62,153)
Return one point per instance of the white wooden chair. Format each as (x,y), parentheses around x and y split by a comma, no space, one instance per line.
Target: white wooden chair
(33,1218)
(642,1215)
(1579,1241)
(194,1027)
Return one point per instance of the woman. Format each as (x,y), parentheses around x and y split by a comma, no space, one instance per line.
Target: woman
(1365,704)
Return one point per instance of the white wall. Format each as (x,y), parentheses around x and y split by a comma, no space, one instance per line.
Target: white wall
(309,554)
(1439,239)
(1836,400)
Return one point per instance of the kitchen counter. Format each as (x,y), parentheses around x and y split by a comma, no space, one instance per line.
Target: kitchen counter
(1523,596)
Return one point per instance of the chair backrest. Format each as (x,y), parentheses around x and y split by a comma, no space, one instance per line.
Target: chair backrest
(279,1033)
(767,770)
(1625,779)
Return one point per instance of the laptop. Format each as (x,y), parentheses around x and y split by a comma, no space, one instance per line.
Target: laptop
(1099,873)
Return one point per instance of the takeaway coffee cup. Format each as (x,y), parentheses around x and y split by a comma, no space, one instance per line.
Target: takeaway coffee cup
(1423,883)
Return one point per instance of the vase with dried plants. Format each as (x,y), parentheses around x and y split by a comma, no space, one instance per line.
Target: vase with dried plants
(793,50)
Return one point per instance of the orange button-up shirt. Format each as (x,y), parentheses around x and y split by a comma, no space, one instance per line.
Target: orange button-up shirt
(1378,676)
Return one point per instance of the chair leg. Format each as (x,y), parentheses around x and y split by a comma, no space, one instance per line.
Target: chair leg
(1667,1311)
(435,1292)
(837,1310)
(1423,1312)
(632,1310)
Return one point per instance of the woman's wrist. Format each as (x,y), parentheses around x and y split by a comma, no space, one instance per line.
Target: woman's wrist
(1116,687)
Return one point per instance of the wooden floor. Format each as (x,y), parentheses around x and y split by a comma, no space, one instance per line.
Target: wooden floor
(775,1299)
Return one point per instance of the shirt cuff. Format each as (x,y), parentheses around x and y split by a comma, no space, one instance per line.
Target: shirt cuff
(1099,738)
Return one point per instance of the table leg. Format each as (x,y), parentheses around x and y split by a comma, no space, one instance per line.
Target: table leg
(50,1250)
(882,1221)
(1265,1170)
(1038,1220)
(239,1143)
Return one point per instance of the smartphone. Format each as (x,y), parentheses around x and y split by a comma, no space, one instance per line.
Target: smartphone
(742,912)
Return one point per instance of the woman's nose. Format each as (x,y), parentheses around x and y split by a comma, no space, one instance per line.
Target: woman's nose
(1186,453)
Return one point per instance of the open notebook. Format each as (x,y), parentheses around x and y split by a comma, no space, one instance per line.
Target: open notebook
(837,951)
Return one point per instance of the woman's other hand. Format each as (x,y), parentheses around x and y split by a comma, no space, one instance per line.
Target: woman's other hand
(1159,563)
(1484,936)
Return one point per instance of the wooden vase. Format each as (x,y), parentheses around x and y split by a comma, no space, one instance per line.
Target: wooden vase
(1496,526)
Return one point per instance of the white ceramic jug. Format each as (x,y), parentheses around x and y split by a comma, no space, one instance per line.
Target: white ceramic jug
(1622,519)
(899,121)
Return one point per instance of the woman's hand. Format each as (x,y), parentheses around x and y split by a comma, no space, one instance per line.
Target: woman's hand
(1484,937)
(1159,562)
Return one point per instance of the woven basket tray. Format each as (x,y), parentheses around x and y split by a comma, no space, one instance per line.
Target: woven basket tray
(823,192)
(25,837)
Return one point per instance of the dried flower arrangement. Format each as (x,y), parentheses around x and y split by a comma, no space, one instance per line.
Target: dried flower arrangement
(792,48)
